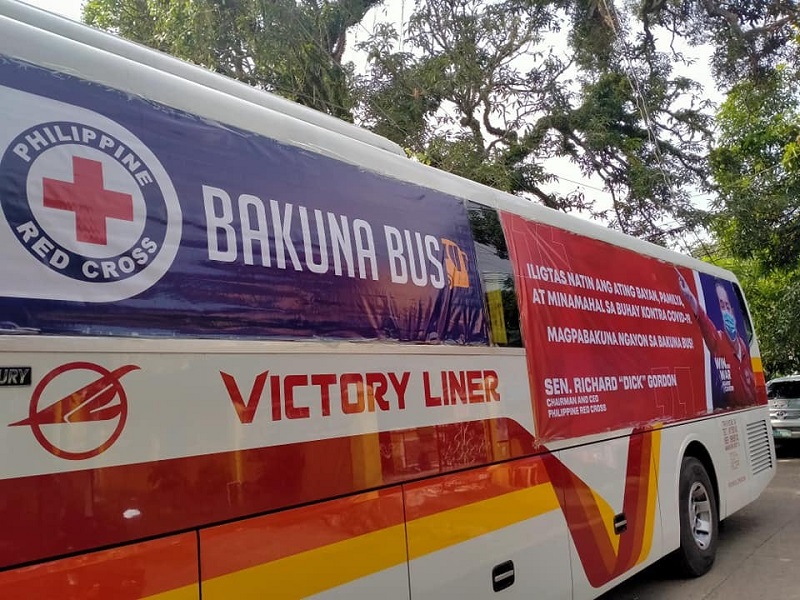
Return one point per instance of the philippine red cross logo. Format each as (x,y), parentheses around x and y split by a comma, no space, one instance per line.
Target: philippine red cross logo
(78,410)
(91,203)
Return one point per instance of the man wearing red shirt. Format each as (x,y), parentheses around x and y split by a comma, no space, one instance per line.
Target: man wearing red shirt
(730,354)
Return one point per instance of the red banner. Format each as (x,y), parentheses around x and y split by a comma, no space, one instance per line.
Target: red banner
(610,340)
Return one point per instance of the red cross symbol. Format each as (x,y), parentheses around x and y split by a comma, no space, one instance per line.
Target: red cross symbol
(89,200)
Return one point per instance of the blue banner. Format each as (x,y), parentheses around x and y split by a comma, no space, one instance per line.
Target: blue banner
(125,217)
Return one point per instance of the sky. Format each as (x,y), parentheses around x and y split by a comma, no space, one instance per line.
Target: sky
(68,8)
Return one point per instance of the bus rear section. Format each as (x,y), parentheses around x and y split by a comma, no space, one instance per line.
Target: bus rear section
(245,356)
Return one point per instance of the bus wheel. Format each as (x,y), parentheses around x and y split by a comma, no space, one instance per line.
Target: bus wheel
(699,519)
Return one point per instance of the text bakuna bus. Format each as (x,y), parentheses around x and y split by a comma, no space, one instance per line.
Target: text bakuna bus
(249,351)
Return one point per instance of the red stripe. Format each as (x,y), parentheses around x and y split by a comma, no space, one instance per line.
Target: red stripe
(133,571)
(637,480)
(50,515)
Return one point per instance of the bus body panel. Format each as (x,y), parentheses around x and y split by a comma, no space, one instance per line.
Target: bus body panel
(246,433)
(472,533)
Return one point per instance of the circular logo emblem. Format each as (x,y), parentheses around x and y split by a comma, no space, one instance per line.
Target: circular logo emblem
(91,204)
(78,410)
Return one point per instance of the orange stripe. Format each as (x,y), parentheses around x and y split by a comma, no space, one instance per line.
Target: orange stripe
(135,571)
(190,592)
(761,381)
(652,494)
(236,546)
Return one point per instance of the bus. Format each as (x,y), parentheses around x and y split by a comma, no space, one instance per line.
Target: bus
(249,351)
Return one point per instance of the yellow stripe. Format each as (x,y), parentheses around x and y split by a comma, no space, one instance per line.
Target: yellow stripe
(450,527)
(189,592)
(758,366)
(652,494)
(314,571)
(607,515)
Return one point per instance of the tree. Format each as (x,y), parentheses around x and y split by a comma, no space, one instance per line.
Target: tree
(756,170)
(757,173)
(292,48)
(609,101)
(454,99)
(478,92)
(749,37)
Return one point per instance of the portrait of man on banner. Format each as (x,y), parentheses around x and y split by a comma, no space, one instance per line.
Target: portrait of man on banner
(724,334)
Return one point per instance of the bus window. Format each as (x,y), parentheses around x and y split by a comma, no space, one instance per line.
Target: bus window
(496,274)
(748,325)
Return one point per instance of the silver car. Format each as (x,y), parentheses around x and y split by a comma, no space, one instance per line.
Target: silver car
(784,406)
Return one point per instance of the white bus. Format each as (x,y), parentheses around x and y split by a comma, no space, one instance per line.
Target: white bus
(247,351)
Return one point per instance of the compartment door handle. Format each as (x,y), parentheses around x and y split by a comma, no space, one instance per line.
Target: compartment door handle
(620,523)
(503,576)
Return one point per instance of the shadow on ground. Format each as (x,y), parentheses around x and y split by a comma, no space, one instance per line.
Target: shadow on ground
(788,449)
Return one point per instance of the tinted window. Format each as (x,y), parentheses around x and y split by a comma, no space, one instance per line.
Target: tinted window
(748,325)
(784,389)
(497,276)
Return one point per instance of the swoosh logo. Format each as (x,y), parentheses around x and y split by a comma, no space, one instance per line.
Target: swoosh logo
(90,403)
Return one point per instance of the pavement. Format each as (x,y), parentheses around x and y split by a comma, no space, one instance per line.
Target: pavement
(758,556)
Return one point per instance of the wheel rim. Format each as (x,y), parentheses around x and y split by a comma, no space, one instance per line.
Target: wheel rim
(700,515)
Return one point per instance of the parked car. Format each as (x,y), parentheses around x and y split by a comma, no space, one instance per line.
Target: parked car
(784,406)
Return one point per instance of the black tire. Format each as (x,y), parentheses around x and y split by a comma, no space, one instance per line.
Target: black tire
(699,520)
